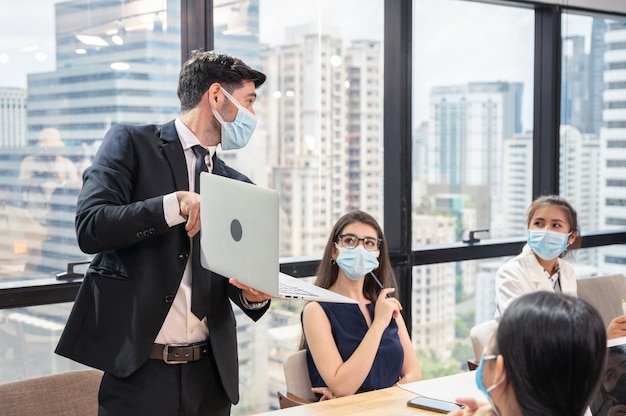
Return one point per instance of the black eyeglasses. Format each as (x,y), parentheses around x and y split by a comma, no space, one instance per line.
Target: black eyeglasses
(352,241)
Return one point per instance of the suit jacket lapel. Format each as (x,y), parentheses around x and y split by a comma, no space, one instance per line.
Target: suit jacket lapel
(174,153)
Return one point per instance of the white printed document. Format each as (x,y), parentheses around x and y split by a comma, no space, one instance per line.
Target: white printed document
(448,388)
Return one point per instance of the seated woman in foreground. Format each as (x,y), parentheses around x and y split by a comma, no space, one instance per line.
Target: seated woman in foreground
(357,347)
(546,358)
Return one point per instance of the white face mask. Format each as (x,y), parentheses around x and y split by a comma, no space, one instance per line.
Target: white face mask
(237,133)
(547,244)
(356,262)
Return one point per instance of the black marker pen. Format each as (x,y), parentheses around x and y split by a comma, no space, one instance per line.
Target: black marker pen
(379,283)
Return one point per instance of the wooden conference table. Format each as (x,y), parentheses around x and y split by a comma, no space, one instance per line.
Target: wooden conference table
(390,401)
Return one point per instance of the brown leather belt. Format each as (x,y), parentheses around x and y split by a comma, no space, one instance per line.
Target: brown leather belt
(180,353)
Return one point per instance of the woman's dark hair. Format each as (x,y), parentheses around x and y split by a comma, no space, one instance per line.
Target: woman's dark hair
(570,212)
(206,68)
(328,270)
(554,348)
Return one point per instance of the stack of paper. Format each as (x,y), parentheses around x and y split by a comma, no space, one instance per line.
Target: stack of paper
(447,388)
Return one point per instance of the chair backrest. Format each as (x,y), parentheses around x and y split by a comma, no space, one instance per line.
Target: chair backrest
(605,293)
(74,393)
(480,335)
(297,376)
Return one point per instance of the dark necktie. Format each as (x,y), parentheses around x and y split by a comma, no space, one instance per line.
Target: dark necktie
(200,278)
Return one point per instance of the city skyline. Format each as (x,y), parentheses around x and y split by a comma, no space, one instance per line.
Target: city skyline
(444,51)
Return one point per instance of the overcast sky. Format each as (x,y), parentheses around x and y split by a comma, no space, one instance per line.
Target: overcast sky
(26,40)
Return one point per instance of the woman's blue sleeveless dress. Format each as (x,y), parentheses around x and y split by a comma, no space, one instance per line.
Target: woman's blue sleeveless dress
(349,327)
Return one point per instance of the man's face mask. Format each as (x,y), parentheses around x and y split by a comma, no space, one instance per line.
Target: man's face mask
(237,133)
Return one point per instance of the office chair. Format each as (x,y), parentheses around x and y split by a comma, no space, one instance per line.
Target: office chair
(605,293)
(73,393)
(480,335)
(297,380)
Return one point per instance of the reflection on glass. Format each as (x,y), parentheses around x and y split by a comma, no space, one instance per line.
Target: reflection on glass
(80,67)
(28,337)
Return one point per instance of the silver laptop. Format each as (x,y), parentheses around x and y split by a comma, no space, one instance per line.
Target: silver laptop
(239,238)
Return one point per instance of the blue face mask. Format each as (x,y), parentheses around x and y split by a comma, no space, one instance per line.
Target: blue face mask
(356,262)
(481,384)
(547,244)
(237,133)
(479,376)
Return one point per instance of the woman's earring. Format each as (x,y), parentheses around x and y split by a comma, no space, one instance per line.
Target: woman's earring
(332,261)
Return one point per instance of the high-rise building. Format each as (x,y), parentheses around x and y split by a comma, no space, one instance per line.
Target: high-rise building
(612,196)
(324,124)
(579,171)
(516,185)
(597,65)
(117,62)
(575,80)
(467,128)
(485,300)
(12,117)
(433,307)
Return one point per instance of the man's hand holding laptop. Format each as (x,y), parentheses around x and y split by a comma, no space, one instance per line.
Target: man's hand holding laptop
(189,203)
(251,294)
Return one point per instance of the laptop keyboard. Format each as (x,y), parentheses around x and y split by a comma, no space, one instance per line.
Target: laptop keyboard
(286,289)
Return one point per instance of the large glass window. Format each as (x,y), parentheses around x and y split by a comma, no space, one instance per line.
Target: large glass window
(74,70)
(318,141)
(593,130)
(472,117)
(69,70)
(319,138)
(472,158)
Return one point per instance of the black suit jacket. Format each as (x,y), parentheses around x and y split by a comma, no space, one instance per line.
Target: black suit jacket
(139,260)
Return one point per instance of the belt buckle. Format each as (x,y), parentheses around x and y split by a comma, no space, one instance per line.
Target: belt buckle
(166,350)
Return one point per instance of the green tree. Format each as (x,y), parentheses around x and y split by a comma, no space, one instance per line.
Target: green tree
(433,367)
(463,323)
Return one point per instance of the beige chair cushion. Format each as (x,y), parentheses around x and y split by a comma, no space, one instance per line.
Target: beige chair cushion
(297,376)
(481,335)
(74,393)
(605,293)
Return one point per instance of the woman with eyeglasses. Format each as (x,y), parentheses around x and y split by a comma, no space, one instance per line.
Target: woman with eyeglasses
(353,348)
(546,358)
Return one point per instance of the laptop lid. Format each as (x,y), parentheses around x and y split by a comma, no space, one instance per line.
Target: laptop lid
(239,238)
(239,235)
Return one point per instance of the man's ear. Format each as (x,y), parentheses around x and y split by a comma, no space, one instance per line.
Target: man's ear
(213,93)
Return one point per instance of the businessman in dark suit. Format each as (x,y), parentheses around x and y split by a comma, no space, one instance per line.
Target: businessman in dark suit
(134,315)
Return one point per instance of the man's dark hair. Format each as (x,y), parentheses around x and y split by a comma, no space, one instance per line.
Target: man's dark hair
(205,68)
